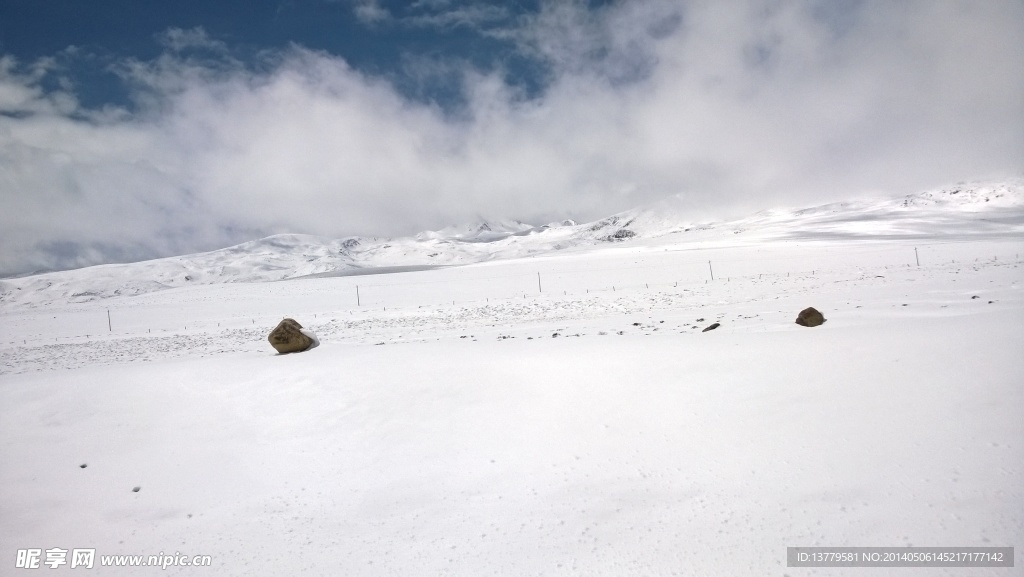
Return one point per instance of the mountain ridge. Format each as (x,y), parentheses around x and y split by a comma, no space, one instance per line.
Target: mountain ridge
(964,210)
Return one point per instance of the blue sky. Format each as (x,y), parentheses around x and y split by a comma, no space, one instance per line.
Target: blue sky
(131,130)
(376,37)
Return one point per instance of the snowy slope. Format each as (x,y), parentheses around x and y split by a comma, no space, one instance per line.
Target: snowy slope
(963,211)
(586,427)
(482,231)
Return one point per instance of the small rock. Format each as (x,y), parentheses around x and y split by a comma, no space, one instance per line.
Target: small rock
(136,489)
(289,337)
(711,327)
(83,465)
(975,297)
(810,317)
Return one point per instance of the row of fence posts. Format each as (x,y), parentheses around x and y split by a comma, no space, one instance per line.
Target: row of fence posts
(540,289)
(540,286)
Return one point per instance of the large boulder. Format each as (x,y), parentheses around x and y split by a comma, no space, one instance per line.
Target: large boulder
(290,337)
(810,317)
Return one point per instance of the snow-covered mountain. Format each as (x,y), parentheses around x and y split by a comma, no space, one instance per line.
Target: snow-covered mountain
(481,231)
(964,210)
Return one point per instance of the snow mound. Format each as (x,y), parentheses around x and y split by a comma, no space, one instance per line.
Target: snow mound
(971,196)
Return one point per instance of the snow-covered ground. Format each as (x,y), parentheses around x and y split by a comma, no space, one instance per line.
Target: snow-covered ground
(557,414)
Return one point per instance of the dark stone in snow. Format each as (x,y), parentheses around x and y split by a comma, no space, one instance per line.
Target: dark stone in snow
(711,327)
(810,317)
(287,337)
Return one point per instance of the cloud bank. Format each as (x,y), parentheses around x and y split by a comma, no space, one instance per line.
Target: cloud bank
(732,106)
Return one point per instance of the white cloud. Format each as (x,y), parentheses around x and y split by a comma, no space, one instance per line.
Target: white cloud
(21,94)
(616,41)
(178,39)
(475,16)
(370,12)
(738,106)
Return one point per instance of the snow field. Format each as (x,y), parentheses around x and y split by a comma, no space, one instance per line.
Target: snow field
(474,442)
(612,280)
